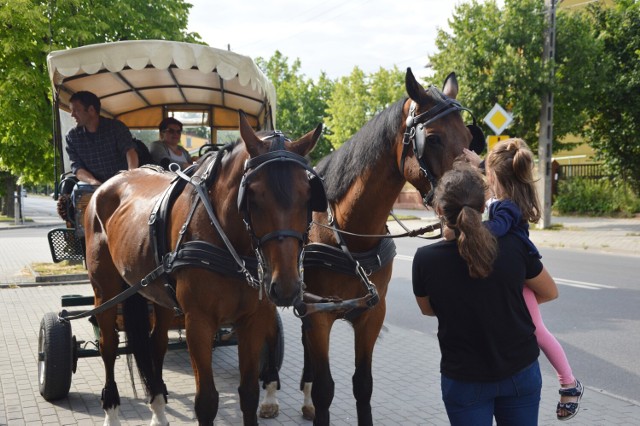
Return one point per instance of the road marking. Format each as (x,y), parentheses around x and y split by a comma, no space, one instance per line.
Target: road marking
(582,284)
(560,281)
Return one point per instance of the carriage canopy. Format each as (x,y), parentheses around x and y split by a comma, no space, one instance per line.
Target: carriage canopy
(141,82)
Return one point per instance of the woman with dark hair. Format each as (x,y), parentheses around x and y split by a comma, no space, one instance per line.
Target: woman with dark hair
(473,284)
(167,150)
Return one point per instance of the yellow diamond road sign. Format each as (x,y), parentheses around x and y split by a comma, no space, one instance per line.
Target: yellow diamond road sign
(498,119)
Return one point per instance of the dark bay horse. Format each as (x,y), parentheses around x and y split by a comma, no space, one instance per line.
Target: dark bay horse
(414,140)
(186,241)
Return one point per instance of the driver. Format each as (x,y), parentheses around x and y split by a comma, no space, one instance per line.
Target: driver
(98,147)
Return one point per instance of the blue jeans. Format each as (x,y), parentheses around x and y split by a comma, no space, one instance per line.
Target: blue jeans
(513,401)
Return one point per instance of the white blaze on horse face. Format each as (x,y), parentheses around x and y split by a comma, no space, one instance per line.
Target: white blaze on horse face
(111,417)
(158,409)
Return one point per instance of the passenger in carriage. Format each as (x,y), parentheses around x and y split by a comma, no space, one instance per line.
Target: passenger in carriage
(98,147)
(167,150)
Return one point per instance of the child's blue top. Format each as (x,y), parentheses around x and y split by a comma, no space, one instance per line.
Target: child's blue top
(504,217)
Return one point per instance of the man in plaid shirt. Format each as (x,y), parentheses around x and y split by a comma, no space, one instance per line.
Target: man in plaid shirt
(98,147)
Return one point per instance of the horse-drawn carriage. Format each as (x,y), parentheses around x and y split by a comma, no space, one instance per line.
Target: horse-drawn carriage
(273,207)
(140,83)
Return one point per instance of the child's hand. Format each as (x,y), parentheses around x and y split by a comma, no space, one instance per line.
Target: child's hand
(471,157)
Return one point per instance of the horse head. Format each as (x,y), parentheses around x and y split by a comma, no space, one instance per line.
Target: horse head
(435,133)
(277,195)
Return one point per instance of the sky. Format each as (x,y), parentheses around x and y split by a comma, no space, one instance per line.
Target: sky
(332,36)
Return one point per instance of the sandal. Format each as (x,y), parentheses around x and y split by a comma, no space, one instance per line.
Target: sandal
(570,407)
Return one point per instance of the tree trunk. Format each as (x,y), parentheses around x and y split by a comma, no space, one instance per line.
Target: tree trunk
(7,189)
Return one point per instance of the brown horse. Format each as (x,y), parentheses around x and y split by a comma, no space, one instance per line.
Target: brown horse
(414,140)
(196,241)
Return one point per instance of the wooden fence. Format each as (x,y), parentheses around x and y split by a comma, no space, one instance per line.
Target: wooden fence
(585,171)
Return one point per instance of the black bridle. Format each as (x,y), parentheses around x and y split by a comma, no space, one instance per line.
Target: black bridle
(414,133)
(318,200)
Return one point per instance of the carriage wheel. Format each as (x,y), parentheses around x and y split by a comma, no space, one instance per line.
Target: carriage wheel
(55,357)
(279,347)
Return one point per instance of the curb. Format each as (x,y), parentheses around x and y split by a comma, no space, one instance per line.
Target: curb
(40,284)
(61,278)
(31,225)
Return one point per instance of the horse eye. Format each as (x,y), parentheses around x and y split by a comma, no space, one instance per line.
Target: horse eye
(433,139)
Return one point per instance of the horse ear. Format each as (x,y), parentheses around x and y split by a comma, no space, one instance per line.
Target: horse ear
(414,89)
(450,86)
(305,144)
(251,141)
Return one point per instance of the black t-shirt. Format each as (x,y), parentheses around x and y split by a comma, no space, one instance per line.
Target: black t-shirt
(484,327)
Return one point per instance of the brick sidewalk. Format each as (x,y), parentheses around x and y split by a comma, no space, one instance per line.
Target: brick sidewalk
(406,378)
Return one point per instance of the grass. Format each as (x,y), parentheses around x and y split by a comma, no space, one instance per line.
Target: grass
(4,218)
(402,217)
(63,268)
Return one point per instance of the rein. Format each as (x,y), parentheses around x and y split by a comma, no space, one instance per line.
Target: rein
(410,232)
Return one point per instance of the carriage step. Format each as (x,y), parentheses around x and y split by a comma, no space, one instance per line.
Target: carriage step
(65,245)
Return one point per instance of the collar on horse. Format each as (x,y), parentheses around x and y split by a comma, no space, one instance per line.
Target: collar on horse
(415,137)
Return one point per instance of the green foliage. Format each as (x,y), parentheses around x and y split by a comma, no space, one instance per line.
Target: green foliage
(497,56)
(29,30)
(613,128)
(344,105)
(301,102)
(357,98)
(596,197)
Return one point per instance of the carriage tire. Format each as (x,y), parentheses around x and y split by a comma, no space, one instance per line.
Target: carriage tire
(55,357)
(279,347)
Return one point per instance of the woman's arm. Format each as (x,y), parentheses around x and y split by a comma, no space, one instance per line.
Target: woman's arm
(543,286)
(425,306)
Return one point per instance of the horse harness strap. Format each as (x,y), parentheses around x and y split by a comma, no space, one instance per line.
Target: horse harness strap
(120,297)
(330,257)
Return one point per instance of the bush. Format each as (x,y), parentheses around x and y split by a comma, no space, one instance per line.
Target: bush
(596,198)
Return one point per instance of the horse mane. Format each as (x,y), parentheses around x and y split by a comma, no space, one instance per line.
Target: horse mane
(340,168)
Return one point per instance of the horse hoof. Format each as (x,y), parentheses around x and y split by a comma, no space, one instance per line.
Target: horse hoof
(308,412)
(269,411)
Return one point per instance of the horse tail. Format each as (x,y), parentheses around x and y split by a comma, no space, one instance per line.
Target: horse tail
(135,312)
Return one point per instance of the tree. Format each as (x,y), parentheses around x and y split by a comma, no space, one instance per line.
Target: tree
(497,56)
(613,128)
(301,102)
(29,30)
(357,98)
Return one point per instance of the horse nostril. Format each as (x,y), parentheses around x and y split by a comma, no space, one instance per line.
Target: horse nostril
(273,291)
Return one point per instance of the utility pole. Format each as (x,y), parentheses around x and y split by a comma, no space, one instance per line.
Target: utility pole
(545,140)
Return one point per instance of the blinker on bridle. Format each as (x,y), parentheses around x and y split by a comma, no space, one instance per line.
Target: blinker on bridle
(414,133)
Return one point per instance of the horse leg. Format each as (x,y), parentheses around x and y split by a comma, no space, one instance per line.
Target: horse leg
(366,331)
(323,388)
(159,341)
(108,344)
(306,381)
(200,336)
(252,333)
(269,407)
